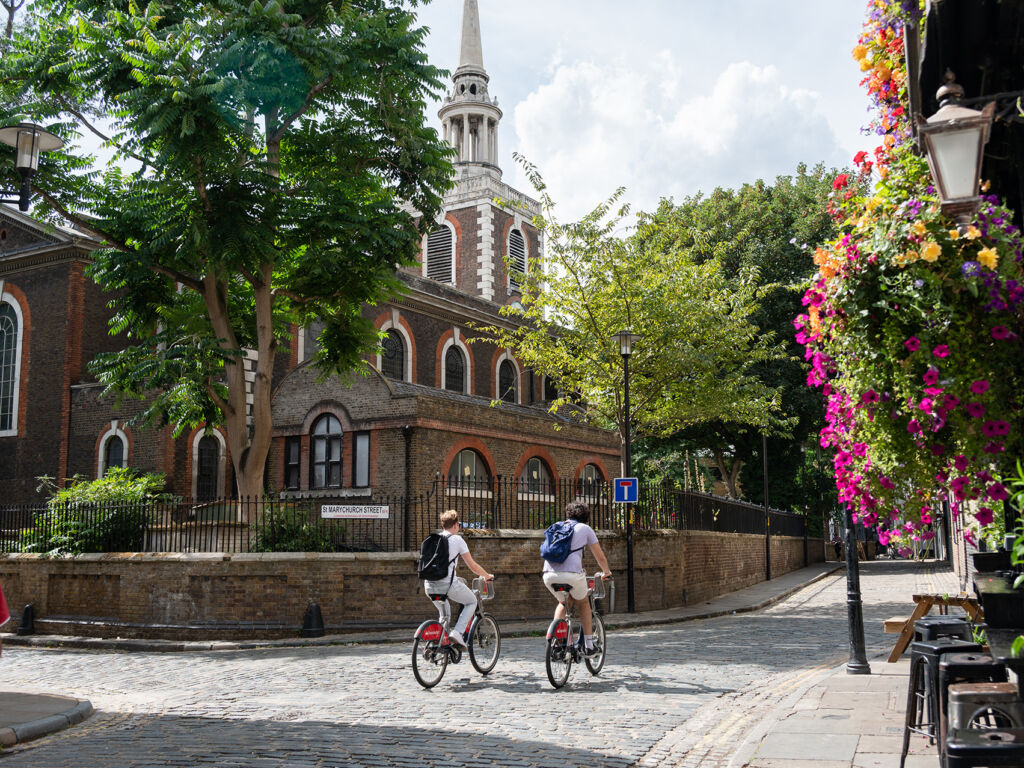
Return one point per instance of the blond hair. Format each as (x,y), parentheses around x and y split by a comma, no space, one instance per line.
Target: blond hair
(449,518)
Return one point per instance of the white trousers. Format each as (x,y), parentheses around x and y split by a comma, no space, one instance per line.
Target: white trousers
(460,593)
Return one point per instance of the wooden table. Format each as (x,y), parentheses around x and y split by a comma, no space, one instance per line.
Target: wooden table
(922,606)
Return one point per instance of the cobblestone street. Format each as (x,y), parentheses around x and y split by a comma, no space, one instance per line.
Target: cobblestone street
(677,695)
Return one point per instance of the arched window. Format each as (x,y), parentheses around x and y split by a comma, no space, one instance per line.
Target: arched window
(392,359)
(516,258)
(454,370)
(590,480)
(440,253)
(325,445)
(469,470)
(550,389)
(113,453)
(10,366)
(536,477)
(508,382)
(207,468)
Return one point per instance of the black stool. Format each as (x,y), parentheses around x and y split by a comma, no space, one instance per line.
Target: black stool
(970,748)
(923,687)
(932,627)
(957,668)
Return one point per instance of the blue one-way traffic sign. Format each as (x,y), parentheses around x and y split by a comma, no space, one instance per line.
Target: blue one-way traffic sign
(626,490)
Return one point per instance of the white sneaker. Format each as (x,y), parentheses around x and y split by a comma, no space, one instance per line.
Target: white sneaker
(456,637)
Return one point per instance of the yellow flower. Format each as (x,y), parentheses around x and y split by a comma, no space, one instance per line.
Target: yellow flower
(954,234)
(873,202)
(883,73)
(919,228)
(973,233)
(989,257)
(931,251)
(865,65)
(859,52)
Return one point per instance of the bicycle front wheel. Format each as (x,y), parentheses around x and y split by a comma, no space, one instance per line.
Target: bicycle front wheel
(596,663)
(558,661)
(429,661)
(485,644)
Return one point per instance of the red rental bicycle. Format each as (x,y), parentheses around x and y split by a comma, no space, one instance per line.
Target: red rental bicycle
(565,636)
(432,650)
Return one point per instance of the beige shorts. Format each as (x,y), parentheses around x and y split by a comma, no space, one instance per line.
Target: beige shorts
(578,581)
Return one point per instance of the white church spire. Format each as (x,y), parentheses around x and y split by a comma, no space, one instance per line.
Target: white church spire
(469,116)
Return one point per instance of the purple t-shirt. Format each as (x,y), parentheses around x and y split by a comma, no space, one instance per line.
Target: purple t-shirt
(582,536)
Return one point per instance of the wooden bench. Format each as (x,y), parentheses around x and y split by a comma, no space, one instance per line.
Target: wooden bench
(922,606)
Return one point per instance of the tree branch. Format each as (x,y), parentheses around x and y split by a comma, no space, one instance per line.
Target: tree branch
(86,224)
(276,137)
(69,108)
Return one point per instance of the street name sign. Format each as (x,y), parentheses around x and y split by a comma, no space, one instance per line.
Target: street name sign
(352,512)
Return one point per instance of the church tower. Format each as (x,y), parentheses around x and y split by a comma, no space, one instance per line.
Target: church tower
(476,241)
(469,116)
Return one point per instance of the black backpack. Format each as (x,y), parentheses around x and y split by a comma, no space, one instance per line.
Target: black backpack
(434,562)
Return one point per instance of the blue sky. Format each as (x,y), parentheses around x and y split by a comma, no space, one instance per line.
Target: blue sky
(664,97)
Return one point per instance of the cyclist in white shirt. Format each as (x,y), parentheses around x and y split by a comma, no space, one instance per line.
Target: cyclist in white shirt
(455,586)
(571,570)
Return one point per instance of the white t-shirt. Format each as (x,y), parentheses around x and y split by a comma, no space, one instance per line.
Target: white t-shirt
(582,536)
(457,547)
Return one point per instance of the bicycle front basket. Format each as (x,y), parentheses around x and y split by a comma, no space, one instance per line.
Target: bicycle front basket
(597,584)
(484,587)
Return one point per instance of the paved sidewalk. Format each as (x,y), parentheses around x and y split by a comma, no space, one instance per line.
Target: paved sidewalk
(26,716)
(839,720)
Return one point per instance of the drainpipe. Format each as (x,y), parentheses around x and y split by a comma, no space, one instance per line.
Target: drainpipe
(407,501)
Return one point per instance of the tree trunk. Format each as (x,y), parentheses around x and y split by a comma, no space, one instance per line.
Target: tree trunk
(730,473)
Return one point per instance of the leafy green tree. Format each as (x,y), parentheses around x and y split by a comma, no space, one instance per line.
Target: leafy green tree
(762,233)
(698,349)
(271,166)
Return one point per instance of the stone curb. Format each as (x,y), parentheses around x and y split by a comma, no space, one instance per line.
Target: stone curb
(382,635)
(44,726)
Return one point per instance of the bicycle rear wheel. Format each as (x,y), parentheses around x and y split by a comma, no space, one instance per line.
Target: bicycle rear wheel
(558,661)
(429,661)
(596,663)
(485,644)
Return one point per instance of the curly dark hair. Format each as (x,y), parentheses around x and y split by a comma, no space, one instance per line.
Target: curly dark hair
(578,511)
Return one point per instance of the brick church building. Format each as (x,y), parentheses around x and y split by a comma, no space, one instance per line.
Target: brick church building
(423,408)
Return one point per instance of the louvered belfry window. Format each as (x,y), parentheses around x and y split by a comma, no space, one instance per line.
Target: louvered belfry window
(439,255)
(516,257)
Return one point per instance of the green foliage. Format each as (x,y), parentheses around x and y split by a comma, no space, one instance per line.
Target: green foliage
(104,515)
(699,347)
(290,529)
(271,166)
(761,233)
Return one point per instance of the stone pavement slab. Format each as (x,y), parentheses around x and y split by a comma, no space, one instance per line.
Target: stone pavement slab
(26,716)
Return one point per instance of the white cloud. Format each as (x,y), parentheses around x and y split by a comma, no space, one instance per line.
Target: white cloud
(649,125)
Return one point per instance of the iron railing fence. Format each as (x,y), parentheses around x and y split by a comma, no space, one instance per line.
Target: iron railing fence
(376,523)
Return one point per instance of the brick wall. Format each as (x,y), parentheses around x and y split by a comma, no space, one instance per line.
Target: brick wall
(211,596)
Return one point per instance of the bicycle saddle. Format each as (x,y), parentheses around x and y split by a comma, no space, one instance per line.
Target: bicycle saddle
(437,598)
(562,587)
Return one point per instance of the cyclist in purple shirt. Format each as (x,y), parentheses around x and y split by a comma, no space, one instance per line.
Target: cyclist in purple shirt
(571,571)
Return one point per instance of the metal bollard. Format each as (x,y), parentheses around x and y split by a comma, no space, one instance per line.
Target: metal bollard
(28,621)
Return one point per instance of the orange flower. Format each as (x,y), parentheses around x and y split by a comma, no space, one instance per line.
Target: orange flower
(859,52)
(883,73)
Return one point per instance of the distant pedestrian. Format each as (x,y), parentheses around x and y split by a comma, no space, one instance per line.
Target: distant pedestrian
(838,545)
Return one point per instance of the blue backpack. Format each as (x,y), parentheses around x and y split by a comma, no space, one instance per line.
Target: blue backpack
(557,544)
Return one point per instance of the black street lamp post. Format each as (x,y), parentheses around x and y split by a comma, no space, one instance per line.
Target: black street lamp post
(858,663)
(28,140)
(626,340)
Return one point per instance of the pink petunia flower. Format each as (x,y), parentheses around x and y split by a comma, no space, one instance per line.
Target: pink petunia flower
(938,450)
(984,516)
(979,387)
(997,492)
(941,351)
(931,376)
(869,397)
(991,429)
(926,405)
(933,391)
(993,447)
(975,410)
(912,344)
(913,427)
(961,463)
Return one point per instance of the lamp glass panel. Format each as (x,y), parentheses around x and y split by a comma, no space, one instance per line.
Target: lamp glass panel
(27,151)
(955,156)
